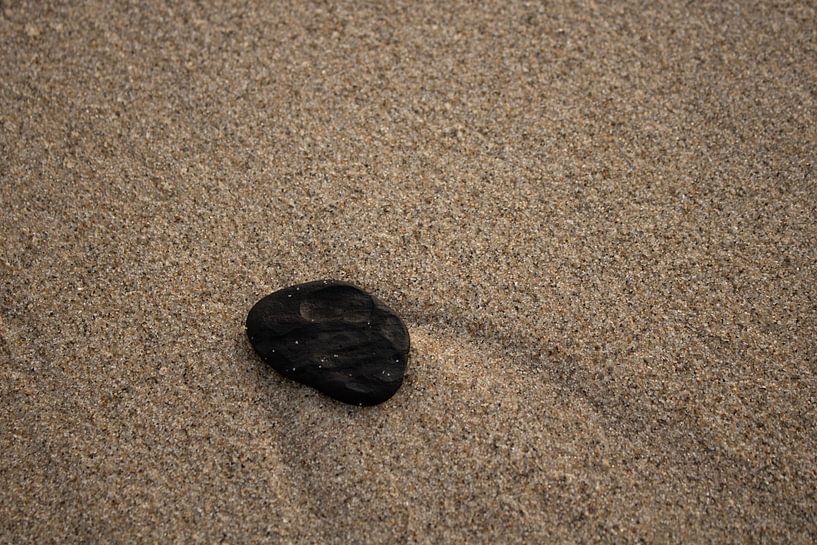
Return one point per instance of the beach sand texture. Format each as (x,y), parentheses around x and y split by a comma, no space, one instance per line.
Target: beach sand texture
(599,222)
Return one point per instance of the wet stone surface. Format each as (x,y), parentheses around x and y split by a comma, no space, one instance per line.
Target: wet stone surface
(334,337)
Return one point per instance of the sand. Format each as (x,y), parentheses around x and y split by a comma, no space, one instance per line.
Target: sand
(598,221)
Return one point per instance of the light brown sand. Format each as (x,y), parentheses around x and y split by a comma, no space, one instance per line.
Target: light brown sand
(599,223)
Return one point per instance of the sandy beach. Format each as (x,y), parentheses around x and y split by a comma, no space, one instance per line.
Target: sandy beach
(598,221)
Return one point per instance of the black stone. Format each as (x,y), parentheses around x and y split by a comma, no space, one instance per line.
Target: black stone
(334,337)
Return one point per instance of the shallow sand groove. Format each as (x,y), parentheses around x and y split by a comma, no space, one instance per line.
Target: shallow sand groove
(597,221)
